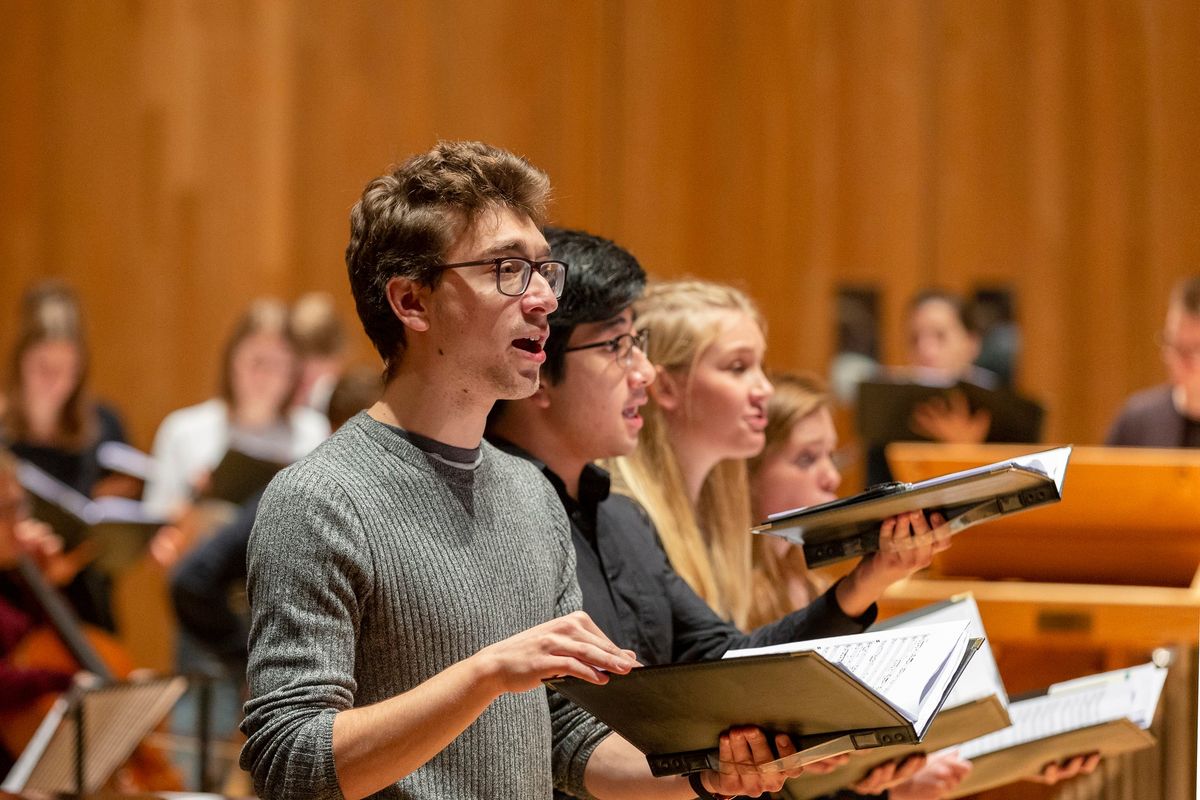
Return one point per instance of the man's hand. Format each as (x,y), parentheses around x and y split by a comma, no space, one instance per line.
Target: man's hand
(950,420)
(940,776)
(1058,771)
(570,645)
(742,751)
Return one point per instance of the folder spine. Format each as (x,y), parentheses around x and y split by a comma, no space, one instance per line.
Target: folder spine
(681,763)
(827,552)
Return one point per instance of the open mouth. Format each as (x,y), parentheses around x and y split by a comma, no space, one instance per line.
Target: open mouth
(530,344)
(630,413)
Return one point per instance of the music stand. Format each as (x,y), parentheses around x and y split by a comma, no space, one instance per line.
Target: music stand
(89,732)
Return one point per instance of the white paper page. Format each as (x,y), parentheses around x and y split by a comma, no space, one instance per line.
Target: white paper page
(900,665)
(1132,694)
(1052,463)
(41,483)
(981,677)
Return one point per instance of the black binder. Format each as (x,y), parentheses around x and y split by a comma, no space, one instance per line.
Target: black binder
(239,476)
(120,527)
(885,410)
(674,713)
(849,527)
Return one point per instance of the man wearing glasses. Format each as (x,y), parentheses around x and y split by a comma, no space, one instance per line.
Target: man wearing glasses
(410,585)
(1169,415)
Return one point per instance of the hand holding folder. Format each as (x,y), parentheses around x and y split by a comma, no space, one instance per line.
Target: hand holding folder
(1107,714)
(850,527)
(977,705)
(830,696)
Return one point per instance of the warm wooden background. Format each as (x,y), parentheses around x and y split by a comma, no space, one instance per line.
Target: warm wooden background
(174,159)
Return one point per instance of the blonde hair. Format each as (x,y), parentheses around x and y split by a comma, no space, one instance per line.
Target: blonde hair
(796,397)
(708,544)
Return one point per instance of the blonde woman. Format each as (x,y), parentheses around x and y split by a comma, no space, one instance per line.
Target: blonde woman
(707,414)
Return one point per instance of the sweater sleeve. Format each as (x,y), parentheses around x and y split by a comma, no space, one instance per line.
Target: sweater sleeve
(575,733)
(308,574)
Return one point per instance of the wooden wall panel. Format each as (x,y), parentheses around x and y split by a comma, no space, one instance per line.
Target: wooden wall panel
(174,159)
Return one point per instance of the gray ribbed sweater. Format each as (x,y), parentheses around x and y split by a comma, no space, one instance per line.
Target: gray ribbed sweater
(373,566)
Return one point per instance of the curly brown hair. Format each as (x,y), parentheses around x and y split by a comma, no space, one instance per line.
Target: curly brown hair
(407,219)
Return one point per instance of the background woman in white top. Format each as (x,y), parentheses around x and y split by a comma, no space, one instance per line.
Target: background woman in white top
(253,412)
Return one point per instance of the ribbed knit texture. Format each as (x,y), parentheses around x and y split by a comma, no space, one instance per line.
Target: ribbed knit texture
(373,567)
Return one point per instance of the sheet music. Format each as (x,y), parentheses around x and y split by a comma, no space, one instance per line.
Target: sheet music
(981,677)
(120,457)
(901,665)
(91,512)
(1131,694)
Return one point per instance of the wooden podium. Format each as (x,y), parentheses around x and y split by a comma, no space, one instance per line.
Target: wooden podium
(1095,582)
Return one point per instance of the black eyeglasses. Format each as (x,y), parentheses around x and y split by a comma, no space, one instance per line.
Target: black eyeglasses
(513,274)
(620,346)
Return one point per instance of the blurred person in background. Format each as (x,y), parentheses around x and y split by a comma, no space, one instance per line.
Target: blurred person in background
(321,344)
(1168,415)
(253,412)
(51,421)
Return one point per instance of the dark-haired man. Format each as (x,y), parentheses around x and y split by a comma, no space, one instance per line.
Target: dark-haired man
(410,585)
(1169,415)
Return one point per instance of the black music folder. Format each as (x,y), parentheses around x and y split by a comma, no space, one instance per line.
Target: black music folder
(885,411)
(976,706)
(850,527)
(239,476)
(1106,713)
(120,527)
(830,695)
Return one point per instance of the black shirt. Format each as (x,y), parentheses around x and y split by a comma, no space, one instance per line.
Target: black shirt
(641,603)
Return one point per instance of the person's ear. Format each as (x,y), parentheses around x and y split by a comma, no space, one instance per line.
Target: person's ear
(666,390)
(409,301)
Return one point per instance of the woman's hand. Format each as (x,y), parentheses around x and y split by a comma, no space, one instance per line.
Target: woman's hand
(907,543)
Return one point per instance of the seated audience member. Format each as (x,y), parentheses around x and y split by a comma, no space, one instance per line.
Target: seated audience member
(410,585)
(943,345)
(51,421)
(253,413)
(707,413)
(1169,415)
(22,683)
(798,468)
(321,344)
